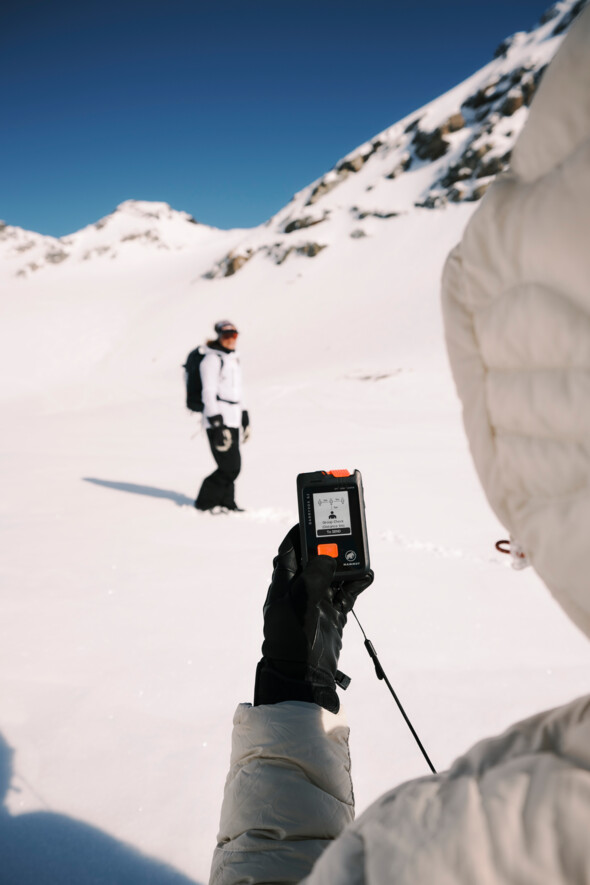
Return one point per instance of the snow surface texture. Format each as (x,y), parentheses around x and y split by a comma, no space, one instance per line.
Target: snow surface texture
(131,623)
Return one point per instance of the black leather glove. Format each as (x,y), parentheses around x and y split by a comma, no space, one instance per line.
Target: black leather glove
(221,436)
(245,426)
(304,616)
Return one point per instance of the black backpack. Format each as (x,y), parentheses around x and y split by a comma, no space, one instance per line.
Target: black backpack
(194,385)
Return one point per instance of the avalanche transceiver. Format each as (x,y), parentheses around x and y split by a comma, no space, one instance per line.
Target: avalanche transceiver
(332,520)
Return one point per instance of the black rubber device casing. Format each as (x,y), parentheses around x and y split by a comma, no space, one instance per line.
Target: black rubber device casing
(353,547)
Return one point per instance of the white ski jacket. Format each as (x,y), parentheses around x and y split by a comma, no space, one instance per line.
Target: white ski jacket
(515,808)
(221,379)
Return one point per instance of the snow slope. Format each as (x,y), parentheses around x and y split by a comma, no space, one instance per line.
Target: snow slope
(131,623)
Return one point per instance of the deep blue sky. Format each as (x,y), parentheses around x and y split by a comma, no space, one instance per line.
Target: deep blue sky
(223,108)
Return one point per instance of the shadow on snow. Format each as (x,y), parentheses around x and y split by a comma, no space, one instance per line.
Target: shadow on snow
(150,491)
(46,848)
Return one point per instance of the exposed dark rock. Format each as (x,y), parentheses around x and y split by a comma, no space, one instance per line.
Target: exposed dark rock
(528,86)
(490,166)
(32,265)
(229,265)
(366,213)
(310,250)
(432,201)
(454,173)
(488,94)
(56,257)
(279,253)
(192,220)
(403,166)
(234,262)
(472,163)
(356,163)
(549,14)
(453,124)
(3,226)
(479,190)
(567,19)
(411,126)
(506,45)
(478,99)
(98,250)
(492,121)
(300,223)
(322,188)
(358,233)
(430,145)
(502,49)
(513,101)
(342,170)
(519,73)
(151,236)
(352,165)
(458,193)
(473,155)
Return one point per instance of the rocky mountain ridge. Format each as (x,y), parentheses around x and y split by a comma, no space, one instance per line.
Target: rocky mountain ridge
(449,151)
(134,224)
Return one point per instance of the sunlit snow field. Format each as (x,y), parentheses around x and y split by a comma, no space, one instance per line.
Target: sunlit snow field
(131,624)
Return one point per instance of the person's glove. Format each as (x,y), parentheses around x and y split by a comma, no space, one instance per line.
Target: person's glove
(221,436)
(245,426)
(304,616)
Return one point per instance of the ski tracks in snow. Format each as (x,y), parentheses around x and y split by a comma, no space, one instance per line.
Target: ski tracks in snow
(267,514)
(261,514)
(415,545)
(438,550)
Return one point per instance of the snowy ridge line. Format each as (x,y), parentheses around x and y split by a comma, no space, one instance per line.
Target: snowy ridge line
(448,151)
(439,550)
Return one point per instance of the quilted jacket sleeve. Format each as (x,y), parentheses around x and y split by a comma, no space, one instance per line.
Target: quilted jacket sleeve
(288,793)
(516,305)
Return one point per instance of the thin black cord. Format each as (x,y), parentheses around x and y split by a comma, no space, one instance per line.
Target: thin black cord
(381,675)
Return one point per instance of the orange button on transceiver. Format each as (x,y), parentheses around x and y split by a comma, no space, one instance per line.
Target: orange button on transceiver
(328,550)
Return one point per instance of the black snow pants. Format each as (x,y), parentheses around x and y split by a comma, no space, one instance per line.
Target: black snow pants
(218,488)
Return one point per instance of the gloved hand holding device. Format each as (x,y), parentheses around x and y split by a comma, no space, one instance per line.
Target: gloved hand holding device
(304,616)
(245,426)
(221,433)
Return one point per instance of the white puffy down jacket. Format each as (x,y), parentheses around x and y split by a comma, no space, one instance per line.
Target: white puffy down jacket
(221,379)
(515,808)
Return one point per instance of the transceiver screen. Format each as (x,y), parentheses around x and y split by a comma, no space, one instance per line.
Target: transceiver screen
(332,513)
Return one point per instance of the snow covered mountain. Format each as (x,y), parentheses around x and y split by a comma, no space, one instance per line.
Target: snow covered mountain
(448,151)
(125,296)
(133,224)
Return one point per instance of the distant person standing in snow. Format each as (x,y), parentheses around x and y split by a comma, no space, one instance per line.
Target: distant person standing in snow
(223,416)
